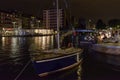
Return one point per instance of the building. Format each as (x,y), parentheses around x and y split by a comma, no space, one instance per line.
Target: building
(50,18)
(12,20)
(6,19)
(9,20)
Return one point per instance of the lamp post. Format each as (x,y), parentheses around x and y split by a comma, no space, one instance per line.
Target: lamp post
(38,23)
(14,25)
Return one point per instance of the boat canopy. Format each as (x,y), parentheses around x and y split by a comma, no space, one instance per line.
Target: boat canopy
(84,30)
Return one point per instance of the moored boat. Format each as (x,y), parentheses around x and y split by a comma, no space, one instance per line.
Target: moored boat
(52,61)
(108,53)
(56,60)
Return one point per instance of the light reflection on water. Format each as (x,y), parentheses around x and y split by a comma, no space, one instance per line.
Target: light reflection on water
(16,46)
(45,42)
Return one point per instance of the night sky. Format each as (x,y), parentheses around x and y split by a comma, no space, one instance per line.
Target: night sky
(94,9)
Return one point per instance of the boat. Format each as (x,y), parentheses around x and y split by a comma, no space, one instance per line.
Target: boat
(52,61)
(47,62)
(84,37)
(108,53)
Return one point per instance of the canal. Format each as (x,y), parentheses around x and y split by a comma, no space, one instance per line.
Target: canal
(15,61)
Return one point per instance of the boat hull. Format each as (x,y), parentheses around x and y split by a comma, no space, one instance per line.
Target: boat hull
(85,44)
(53,65)
(107,54)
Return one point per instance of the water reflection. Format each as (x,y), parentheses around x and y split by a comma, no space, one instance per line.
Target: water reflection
(79,72)
(15,53)
(14,46)
(16,43)
(17,48)
(42,43)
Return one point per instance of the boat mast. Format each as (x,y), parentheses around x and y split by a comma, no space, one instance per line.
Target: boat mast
(58,31)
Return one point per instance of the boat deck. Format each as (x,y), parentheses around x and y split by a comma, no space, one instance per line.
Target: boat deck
(48,54)
(108,48)
(111,44)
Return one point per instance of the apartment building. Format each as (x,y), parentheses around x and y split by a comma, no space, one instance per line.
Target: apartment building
(50,18)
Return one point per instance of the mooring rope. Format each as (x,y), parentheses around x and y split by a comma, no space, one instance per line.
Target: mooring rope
(22,70)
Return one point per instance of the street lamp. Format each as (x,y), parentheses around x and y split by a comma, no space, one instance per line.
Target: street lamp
(14,24)
(38,23)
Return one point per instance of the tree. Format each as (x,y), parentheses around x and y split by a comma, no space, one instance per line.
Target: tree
(100,24)
(82,23)
(114,23)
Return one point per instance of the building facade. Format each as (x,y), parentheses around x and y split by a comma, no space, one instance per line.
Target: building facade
(6,19)
(9,20)
(50,18)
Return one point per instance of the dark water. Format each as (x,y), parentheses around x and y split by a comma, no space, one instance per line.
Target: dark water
(97,70)
(15,56)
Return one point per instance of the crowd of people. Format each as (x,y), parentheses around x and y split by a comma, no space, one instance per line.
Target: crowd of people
(113,36)
(97,37)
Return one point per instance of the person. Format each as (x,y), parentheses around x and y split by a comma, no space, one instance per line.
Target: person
(117,37)
(99,39)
